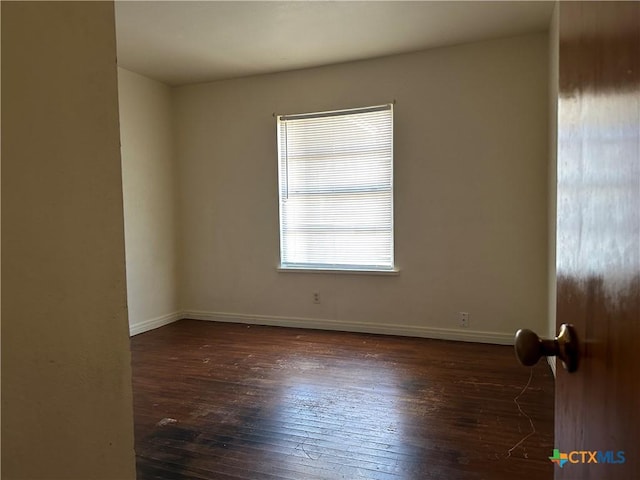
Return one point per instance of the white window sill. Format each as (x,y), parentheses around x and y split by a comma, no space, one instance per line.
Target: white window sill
(394,272)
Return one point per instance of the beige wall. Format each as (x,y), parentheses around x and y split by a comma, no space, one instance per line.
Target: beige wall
(471,163)
(148,178)
(66,381)
(554,53)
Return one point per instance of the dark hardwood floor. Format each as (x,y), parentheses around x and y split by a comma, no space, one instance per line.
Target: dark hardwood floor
(230,401)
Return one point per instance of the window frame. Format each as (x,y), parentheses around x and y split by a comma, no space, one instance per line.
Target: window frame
(326,267)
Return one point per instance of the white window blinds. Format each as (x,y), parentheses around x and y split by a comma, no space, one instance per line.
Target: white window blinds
(336,189)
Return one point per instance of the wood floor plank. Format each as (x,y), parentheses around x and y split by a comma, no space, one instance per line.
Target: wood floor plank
(230,401)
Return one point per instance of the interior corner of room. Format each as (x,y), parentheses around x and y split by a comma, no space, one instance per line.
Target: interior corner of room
(471,206)
(151,326)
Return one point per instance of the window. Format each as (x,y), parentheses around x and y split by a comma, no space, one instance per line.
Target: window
(336,189)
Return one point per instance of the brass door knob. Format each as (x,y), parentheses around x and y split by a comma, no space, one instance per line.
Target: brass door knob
(530,347)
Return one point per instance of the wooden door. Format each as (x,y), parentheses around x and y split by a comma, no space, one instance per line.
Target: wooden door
(598,239)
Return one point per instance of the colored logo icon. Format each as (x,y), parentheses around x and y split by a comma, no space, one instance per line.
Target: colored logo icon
(559,458)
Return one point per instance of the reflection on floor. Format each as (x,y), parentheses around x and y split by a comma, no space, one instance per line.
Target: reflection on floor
(230,401)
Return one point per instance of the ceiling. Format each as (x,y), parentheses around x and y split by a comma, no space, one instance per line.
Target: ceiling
(182,42)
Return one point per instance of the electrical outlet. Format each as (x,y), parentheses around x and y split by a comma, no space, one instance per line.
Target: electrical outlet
(316,297)
(463,319)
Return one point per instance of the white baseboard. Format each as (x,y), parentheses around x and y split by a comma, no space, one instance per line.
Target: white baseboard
(152,323)
(463,335)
